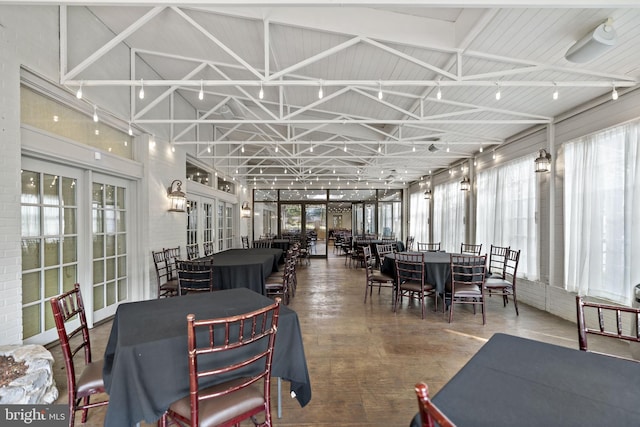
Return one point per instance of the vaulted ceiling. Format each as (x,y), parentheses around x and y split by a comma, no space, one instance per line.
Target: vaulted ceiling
(406,90)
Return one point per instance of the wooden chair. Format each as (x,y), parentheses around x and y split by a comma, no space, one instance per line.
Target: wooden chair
(262,243)
(249,340)
(469,249)
(428,247)
(504,283)
(195,276)
(410,279)
(497,259)
(167,282)
(208,248)
(280,285)
(193,252)
(408,245)
(610,320)
(374,278)
(467,282)
(384,249)
(430,414)
(245,242)
(66,307)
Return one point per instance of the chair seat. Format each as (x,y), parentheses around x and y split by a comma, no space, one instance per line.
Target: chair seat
(170,285)
(467,291)
(380,277)
(497,283)
(412,286)
(217,410)
(90,381)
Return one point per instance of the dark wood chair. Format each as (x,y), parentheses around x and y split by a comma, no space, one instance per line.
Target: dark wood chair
(165,277)
(611,320)
(208,248)
(245,242)
(430,414)
(497,259)
(410,280)
(280,284)
(469,249)
(374,278)
(467,282)
(428,247)
(193,251)
(172,255)
(195,276)
(246,342)
(408,245)
(264,243)
(504,283)
(384,249)
(66,307)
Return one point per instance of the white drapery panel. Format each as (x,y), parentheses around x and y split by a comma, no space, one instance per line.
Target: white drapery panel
(418,216)
(506,211)
(602,214)
(448,216)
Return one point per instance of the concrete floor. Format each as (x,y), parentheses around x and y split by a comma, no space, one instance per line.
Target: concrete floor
(363,359)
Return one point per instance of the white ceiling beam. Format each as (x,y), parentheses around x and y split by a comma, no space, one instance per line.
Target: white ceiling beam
(353,121)
(98,53)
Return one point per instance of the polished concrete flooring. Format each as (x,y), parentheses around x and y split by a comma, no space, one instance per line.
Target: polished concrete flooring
(363,359)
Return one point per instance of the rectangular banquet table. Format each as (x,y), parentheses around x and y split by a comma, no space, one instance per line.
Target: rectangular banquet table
(437,268)
(246,268)
(146,363)
(514,381)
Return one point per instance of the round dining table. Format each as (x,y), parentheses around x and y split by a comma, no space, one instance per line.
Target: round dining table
(437,268)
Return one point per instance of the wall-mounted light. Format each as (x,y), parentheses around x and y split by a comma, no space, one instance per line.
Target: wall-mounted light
(176,196)
(245,210)
(465,184)
(427,194)
(543,162)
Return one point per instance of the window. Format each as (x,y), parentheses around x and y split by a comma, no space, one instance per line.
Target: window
(448,216)
(506,211)
(419,217)
(602,214)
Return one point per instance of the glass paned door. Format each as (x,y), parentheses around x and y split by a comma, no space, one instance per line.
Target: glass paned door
(316,228)
(49,212)
(291,220)
(110,255)
(228,234)
(208,231)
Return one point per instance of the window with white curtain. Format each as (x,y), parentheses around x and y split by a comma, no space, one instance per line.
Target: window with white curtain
(506,211)
(419,217)
(448,216)
(602,214)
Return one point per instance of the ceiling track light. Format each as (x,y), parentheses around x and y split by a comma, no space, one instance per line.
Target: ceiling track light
(555,92)
(614,93)
(320,92)
(201,93)
(79,92)
(439,93)
(380,90)
(242,148)
(498,94)
(261,93)
(130,130)
(311,149)
(141,93)
(95,113)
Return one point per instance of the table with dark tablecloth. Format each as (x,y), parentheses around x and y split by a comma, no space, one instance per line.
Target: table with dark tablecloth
(146,362)
(437,268)
(514,381)
(245,268)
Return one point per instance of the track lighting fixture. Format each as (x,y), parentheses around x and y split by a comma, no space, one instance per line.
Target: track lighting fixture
(79,92)
(320,92)
(439,93)
(130,130)
(380,90)
(201,93)
(141,93)
(95,113)
(261,93)
(614,93)
(498,94)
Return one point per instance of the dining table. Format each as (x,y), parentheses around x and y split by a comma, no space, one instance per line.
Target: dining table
(146,361)
(247,268)
(437,268)
(514,381)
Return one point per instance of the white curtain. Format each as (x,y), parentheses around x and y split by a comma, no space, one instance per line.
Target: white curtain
(506,211)
(419,216)
(602,214)
(448,216)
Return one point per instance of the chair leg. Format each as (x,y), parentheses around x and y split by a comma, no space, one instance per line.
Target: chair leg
(451,310)
(85,412)
(515,301)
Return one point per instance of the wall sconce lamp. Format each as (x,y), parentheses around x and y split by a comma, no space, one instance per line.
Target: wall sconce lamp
(543,162)
(245,210)
(427,194)
(465,184)
(177,197)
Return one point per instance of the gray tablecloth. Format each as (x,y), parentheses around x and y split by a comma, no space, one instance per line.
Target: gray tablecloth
(146,363)
(437,268)
(514,381)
